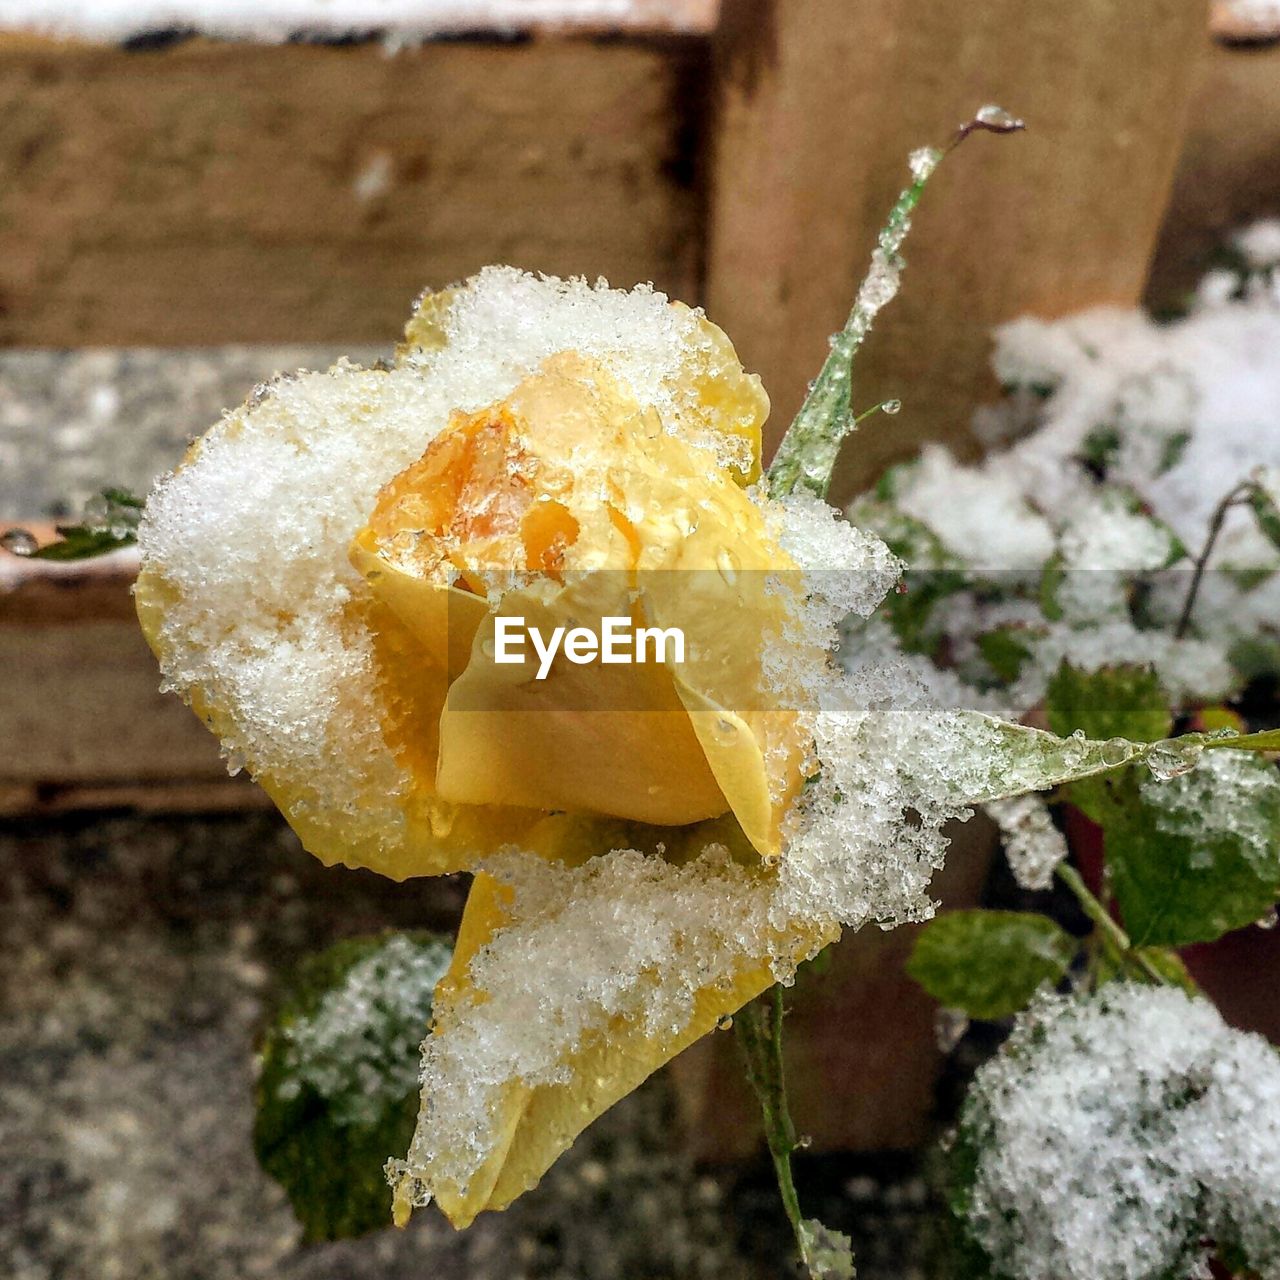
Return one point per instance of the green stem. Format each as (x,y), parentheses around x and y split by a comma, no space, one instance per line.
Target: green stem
(806,456)
(1115,941)
(759,1027)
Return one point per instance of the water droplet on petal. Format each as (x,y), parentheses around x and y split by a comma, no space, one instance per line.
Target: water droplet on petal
(725,732)
(727,563)
(685,521)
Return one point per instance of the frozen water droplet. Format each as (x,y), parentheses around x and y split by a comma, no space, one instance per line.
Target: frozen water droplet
(991,116)
(685,521)
(727,563)
(1268,921)
(923,162)
(19,541)
(891,407)
(949,1026)
(725,732)
(725,1023)
(1115,751)
(1169,760)
(441,818)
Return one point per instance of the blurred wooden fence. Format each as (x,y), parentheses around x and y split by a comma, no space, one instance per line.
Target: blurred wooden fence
(199,192)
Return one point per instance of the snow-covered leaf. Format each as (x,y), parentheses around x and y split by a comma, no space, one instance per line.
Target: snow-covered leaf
(338,1092)
(1198,855)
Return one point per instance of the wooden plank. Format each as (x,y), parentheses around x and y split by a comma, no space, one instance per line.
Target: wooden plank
(276,20)
(1229,173)
(206,193)
(820,102)
(83,720)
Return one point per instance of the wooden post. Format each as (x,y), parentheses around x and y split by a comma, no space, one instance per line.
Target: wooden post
(819,103)
(1229,173)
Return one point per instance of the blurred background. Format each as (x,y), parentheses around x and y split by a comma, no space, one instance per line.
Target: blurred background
(195,194)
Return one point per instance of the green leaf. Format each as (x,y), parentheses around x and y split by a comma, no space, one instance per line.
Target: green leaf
(80,542)
(1198,855)
(1101,448)
(1255,657)
(110,521)
(1247,577)
(1175,448)
(1005,650)
(990,963)
(1133,503)
(1051,579)
(1266,511)
(909,610)
(1009,759)
(1263,740)
(1124,702)
(338,1090)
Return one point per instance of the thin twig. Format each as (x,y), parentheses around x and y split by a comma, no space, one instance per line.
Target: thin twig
(1233,499)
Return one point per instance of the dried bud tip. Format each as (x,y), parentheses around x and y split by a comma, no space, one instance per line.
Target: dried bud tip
(991,119)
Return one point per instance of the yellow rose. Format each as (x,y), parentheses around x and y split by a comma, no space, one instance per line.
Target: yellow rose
(322,580)
(572,488)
